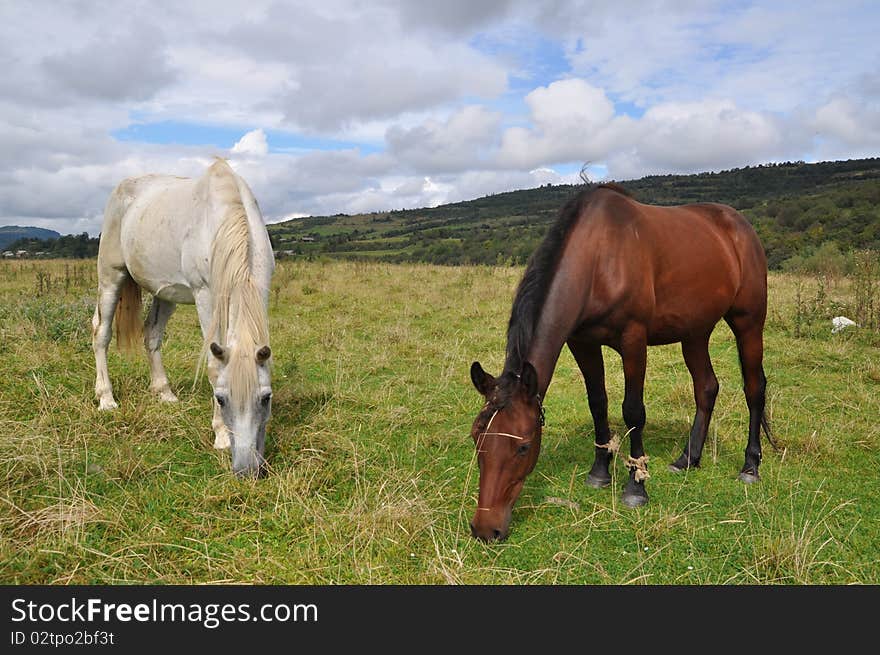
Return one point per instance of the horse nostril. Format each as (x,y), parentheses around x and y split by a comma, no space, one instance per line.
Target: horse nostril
(496,533)
(473,529)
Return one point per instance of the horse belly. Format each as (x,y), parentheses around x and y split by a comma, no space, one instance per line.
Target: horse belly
(696,275)
(176,293)
(157,269)
(696,311)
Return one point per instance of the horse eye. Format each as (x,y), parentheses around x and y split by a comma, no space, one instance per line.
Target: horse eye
(264,401)
(523,449)
(220,400)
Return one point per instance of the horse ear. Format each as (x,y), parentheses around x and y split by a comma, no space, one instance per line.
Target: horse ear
(218,351)
(482,380)
(529,378)
(263,354)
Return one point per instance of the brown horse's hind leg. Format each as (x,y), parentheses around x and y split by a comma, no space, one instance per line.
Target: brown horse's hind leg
(634,353)
(750,343)
(589,360)
(696,356)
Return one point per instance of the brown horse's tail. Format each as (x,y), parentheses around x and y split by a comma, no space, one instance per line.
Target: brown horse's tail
(766,425)
(129,323)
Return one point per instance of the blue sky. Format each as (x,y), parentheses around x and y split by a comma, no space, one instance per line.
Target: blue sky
(224,137)
(337,106)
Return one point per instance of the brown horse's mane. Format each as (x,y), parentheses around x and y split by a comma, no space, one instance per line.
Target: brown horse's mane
(535,284)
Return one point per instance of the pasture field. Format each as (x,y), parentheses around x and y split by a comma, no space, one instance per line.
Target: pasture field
(373,477)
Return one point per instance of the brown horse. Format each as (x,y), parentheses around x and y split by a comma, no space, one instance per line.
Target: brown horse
(612,271)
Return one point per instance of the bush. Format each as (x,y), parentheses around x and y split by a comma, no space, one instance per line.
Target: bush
(827,260)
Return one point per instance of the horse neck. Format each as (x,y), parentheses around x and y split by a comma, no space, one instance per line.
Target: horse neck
(262,263)
(230,196)
(247,312)
(239,296)
(559,316)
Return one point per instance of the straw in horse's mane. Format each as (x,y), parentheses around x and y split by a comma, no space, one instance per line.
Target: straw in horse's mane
(535,284)
(237,300)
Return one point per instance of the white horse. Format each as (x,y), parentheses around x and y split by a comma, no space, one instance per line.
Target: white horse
(199,241)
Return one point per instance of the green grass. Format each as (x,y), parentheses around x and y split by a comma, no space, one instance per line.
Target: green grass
(373,478)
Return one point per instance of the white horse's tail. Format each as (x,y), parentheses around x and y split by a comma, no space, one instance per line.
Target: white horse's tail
(129,322)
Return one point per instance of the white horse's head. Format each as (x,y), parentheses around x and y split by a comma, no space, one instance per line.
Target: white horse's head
(243,391)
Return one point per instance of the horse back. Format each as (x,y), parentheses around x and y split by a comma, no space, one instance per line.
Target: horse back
(167,225)
(161,222)
(676,270)
(128,198)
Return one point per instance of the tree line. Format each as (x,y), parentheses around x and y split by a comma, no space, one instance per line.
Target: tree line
(796,208)
(802,213)
(68,246)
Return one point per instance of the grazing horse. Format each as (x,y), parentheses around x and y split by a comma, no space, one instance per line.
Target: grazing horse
(200,241)
(612,271)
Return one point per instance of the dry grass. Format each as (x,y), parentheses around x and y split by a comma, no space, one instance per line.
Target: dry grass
(372,475)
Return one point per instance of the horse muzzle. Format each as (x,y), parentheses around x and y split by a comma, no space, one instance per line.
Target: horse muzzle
(247,463)
(489,526)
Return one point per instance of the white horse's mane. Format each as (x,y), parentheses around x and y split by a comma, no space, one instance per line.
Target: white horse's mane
(237,300)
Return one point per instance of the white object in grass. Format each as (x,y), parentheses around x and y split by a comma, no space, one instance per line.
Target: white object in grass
(841,322)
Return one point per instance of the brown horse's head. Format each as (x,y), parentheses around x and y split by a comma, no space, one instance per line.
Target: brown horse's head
(507,434)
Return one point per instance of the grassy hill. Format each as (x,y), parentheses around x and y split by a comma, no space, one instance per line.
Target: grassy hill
(795,207)
(12,233)
(74,246)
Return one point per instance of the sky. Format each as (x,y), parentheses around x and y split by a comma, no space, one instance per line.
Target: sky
(332,106)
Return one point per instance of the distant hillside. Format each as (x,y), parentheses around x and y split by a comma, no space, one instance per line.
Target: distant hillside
(12,233)
(69,246)
(795,207)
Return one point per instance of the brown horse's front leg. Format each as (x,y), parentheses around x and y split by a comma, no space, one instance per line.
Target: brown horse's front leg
(634,353)
(589,360)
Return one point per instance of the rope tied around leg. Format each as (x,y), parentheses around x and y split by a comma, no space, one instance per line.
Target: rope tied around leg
(640,466)
(612,446)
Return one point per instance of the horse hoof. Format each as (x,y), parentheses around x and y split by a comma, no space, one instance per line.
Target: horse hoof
(165,394)
(633,500)
(677,468)
(105,404)
(683,464)
(597,481)
(748,477)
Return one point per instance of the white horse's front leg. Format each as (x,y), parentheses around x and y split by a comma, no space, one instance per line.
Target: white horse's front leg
(221,432)
(204,310)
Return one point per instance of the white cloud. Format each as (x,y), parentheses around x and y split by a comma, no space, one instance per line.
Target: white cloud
(572,120)
(379,84)
(851,122)
(706,135)
(458,143)
(345,67)
(70,196)
(474,184)
(411,187)
(253,143)
(132,66)
(409,104)
(451,16)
